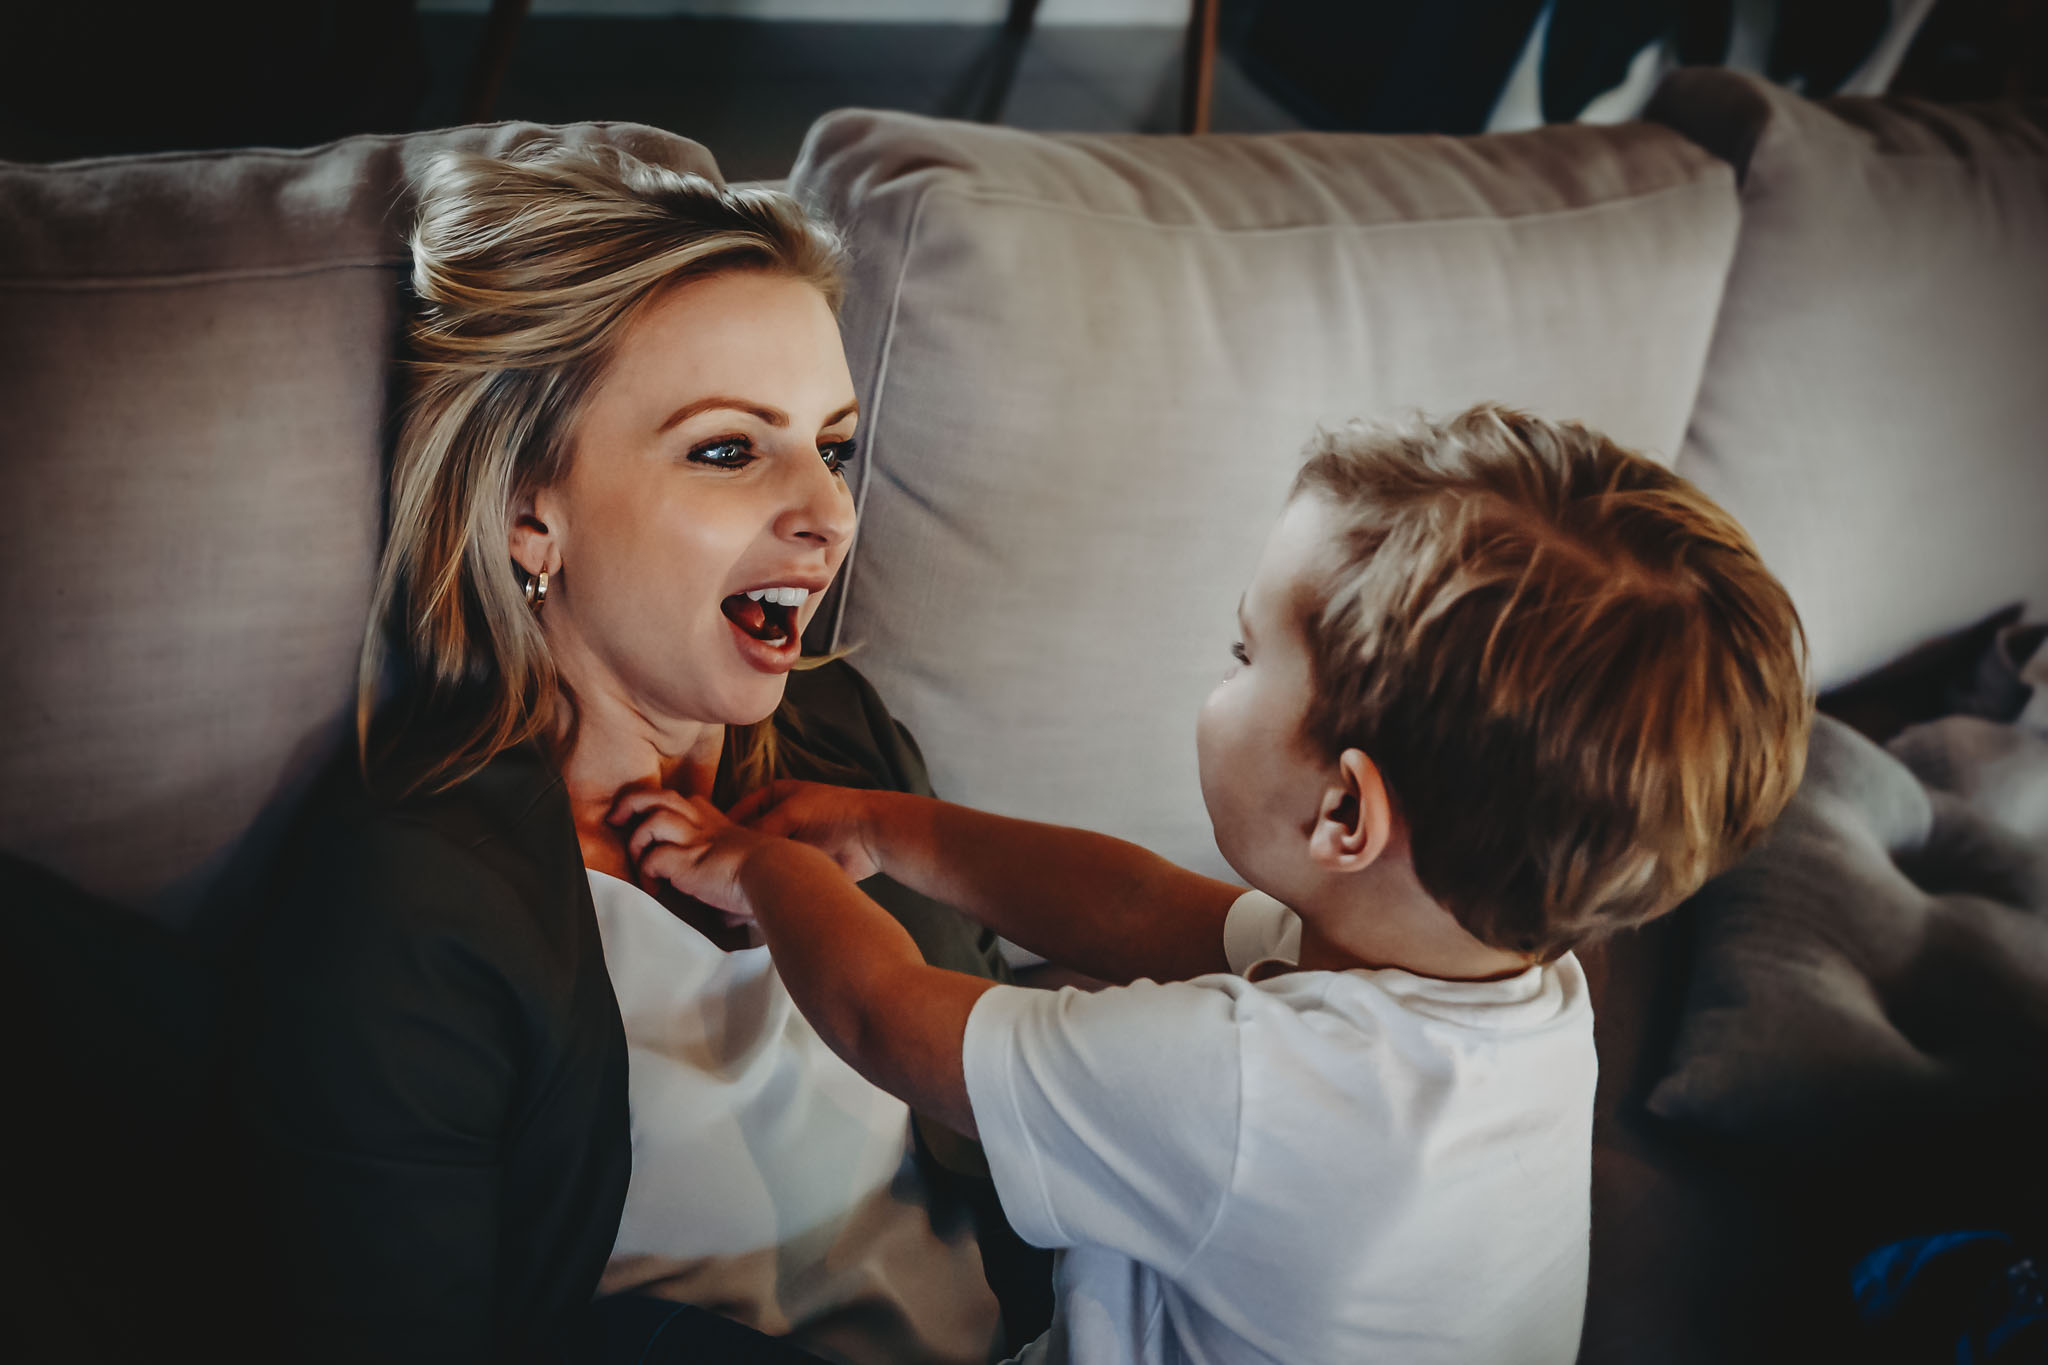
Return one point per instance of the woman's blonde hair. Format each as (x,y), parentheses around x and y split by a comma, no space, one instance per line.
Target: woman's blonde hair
(527,269)
(1584,690)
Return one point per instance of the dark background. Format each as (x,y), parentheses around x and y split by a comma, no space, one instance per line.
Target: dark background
(94,77)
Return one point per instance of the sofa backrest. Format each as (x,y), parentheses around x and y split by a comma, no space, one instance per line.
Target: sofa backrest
(194,362)
(1088,365)
(1875,407)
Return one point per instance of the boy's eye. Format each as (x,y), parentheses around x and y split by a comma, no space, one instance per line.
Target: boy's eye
(839,454)
(727,452)
(1237,652)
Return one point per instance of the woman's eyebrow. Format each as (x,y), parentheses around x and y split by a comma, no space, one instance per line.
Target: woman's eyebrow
(774,417)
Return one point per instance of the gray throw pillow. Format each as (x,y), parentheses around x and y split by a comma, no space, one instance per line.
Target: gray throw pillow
(1877,967)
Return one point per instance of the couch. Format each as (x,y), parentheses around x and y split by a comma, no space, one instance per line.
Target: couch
(1086,365)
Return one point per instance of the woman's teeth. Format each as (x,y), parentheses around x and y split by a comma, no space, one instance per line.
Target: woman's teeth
(769,614)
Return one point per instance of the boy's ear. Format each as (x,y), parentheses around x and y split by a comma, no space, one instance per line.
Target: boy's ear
(533,542)
(1355,822)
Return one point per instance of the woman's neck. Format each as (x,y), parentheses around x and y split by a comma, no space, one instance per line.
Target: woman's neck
(618,749)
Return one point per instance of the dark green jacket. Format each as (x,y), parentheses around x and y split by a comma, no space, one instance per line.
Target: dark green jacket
(434,1072)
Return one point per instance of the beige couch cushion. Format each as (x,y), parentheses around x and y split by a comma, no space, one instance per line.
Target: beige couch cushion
(1875,407)
(193,370)
(1088,364)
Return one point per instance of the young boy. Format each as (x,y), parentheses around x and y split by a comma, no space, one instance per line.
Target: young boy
(1503,687)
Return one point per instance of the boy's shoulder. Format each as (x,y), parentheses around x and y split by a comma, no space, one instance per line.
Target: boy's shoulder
(1262,942)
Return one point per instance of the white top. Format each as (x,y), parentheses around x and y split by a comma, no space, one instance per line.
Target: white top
(1321,1167)
(770,1181)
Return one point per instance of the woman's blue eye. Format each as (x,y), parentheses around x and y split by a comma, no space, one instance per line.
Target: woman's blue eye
(839,454)
(728,452)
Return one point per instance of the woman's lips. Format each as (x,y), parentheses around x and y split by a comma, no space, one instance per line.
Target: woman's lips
(765,634)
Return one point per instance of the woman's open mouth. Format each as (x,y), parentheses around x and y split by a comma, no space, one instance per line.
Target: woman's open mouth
(766,621)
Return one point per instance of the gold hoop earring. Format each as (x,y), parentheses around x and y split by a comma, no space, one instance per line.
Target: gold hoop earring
(537,590)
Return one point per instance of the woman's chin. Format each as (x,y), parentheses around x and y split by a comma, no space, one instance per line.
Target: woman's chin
(751,699)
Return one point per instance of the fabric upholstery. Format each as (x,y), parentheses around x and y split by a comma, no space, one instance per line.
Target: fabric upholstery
(194,359)
(1875,408)
(1880,962)
(1087,367)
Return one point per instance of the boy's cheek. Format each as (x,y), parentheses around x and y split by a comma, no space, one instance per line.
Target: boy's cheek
(1207,725)
(1226,730)
(1214,766)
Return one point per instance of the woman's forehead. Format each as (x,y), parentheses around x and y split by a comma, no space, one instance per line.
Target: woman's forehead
(769,340)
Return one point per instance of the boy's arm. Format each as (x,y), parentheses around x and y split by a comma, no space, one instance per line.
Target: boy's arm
(1076,1085)
(862,982)
(851,968)
(1106,907)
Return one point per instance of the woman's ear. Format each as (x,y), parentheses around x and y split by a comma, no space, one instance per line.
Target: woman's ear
(534,543)
(1355,822)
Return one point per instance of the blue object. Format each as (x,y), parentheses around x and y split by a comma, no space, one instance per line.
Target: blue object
(1969,1297)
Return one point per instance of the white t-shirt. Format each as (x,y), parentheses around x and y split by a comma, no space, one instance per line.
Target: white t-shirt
(1321,1168)
(770,1182)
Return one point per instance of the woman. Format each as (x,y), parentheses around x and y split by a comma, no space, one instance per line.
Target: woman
(488,1067)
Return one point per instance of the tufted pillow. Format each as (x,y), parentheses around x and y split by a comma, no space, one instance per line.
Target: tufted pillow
(1873,406)
(1879,964)
(1087,366)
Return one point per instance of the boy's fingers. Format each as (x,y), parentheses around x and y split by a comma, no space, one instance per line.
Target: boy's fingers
(667,826)
(636,847)
(637,800)
(685,869)
(664,863)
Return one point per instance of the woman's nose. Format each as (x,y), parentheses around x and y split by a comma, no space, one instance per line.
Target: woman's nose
(820,509)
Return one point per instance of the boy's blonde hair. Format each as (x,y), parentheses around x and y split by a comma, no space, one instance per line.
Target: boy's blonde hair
(1584,690)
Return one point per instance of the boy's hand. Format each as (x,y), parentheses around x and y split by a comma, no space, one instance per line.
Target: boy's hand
(686,842)
(838,820)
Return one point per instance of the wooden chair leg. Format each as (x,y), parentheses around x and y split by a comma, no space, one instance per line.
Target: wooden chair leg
(1004,57)
(1198,66)
(493,58)
(1022,17)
